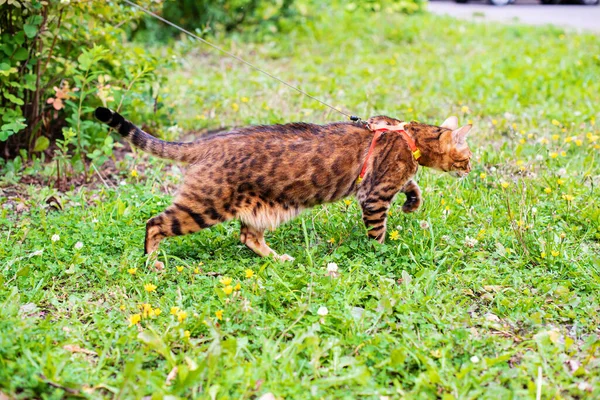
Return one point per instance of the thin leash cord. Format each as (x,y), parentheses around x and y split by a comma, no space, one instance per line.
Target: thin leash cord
(237,58)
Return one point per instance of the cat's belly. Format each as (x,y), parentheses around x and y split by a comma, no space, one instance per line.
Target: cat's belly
(267,217)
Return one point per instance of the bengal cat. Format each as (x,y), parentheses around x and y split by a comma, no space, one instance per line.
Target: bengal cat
(266,175)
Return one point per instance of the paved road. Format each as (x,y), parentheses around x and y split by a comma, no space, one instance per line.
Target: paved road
(581,18)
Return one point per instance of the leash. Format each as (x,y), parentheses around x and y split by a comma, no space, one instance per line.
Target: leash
(379,130)
(351,117)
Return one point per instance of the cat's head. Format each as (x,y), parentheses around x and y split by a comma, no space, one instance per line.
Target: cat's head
(443,147)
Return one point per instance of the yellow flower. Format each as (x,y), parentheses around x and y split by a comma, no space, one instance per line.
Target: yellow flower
(470,122)
(244,99)
(347,202)
(459,201)
(544,140)
(134,173)
(149,287)
(543,254)
(156,312)
(505,184)
(578,142)
(135,319)
(219,315)
(553,155)
(560,181)
(196,270)
(443,201)
(186,334)
(237,287)
(555,253)
(132,271)
(409,110)
(181,316)
(249,273)
(514,126)
(228,289)
(235,107)
(464,109)
(332,240)
(563,153)
(225,280)
(568,139)
(174,310)
(555,122)
(494,122)
(530,136)
(548,190)
(568,197)
(179,268)
(122,307)
(522,141)
(483,175)
(394,235)
(555,137)
(146,309)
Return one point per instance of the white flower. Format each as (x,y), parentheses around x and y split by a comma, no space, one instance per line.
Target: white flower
(322,311)
(474,359)
(95,221)
(78,245)
(533,210)
(55,238)
(562,172)
(539,157)
(332,267)
(424,224)
(470,242)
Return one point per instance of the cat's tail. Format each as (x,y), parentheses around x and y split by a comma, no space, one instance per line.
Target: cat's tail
(175,151)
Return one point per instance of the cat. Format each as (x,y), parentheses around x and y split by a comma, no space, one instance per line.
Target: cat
(266,175)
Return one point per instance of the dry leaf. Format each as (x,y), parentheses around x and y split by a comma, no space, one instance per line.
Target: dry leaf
(492,317)
(74,348)
(172,375)
(493,288)
(573,365)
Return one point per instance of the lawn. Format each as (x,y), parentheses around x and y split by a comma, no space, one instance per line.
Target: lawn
(490,290)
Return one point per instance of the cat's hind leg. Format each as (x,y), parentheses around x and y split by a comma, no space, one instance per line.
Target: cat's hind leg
(254,238)
(413,197)
(178,219)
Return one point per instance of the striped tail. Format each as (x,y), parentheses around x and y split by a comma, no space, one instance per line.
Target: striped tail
(175,151)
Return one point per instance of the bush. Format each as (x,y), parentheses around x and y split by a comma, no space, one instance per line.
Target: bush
(51,76)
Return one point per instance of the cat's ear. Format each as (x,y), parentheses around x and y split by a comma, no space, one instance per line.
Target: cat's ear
(450,123)
(459,136)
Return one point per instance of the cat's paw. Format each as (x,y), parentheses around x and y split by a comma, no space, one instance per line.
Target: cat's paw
(284,257)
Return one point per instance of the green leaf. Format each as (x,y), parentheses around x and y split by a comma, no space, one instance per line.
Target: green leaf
(23,271)
(12,98)
(21,54)
(41,144)
(30,30)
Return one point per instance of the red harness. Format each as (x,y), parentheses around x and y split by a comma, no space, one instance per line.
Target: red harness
(379,130)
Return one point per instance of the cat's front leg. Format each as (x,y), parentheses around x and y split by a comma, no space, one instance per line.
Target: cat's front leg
(413,197)
(375,217)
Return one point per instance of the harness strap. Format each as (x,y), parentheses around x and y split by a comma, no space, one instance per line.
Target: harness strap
(379,130)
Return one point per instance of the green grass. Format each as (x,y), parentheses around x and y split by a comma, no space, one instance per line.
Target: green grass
(424,316)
